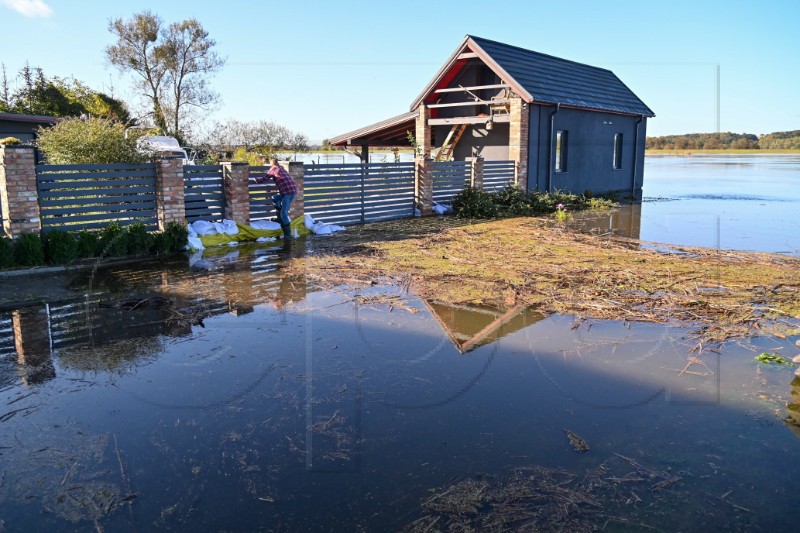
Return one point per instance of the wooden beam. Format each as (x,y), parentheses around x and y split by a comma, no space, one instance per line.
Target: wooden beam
(467,55)
(479,102)
(467,120)
(475,88)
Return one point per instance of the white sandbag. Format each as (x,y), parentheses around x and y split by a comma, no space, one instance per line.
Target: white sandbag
(266,239)
(227,227)
(265,224)
(203,228)
(194,243)
(442,209)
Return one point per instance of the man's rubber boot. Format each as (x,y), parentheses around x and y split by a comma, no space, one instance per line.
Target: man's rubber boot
(287,231)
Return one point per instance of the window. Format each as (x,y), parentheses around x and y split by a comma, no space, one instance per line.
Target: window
(561,151)
(617,151)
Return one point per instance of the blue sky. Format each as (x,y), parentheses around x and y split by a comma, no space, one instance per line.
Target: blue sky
(328,67)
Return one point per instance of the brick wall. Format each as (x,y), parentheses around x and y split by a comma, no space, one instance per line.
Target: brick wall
(170,195)
(236,188)
(18,193)
(518,139)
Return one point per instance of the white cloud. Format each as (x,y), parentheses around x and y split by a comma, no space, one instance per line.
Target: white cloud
(28,8)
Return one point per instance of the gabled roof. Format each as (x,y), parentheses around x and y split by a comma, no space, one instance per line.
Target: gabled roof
(541,78)
(389,132)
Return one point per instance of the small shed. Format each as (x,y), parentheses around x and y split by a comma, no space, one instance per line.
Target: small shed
(566,125)
(23,127)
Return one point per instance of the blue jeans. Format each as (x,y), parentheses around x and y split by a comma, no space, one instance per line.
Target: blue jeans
(282,203)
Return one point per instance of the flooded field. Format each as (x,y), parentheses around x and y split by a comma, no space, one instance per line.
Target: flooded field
(740,202)
(221,394)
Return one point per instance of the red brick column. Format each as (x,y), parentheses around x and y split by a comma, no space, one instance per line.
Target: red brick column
(18,193)
(296,169)
(236,188)
(476,173)
(423,185)
(518,140)
(170,194)
(423,133)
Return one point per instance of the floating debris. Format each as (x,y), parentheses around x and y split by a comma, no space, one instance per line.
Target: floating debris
(768,358)
(576,442)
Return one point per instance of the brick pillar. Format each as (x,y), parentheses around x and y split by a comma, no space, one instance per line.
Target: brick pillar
(236,189)
(518,140)
(476,173)
(170,195)
(297,170)
(423,133)
(423,185)
(18,193)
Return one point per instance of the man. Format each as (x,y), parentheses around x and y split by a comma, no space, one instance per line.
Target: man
(287,189)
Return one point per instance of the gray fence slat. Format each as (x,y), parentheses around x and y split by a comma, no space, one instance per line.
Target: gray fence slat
(95,201)
(67,220)
(105,210)
(67,185)
(110,166)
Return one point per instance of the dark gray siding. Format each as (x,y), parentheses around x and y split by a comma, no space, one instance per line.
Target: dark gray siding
(590,152)
(24,131)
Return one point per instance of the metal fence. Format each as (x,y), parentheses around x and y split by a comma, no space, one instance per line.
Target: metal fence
(75,197)
(449,179)
(203,192)
(359,193)
(498,174)
(261,195)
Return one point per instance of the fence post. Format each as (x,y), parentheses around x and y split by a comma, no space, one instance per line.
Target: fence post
(170,193)
(236,190)
(518,140)
(423,185)
(19,197)
(476,173)
(297,170)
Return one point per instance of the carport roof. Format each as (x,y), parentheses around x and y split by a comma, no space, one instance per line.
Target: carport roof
(389,132)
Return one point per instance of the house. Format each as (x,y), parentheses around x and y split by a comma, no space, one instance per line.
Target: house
(23,127)
(566,125)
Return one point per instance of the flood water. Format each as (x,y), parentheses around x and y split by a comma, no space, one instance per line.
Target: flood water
(229,396)
(739,202)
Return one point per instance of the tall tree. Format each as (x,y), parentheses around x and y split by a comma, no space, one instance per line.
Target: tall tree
(172,65)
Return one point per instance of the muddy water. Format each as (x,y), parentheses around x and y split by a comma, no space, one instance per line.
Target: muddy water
(740,202)
(227,396)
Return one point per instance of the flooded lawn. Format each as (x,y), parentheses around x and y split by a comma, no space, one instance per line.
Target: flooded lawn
(166,396)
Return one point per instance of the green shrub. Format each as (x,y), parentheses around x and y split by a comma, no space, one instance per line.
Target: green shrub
(138,239)
(60,247)
(6,252)
(160,244)
(512,201)
(88,244)
(177,234)
(113,241)
(9,141)
(28,250)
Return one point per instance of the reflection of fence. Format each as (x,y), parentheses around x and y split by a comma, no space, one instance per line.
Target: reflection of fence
(497,174)
(449,179)
(204,196)
(359,193)
(261,195)
(75,197)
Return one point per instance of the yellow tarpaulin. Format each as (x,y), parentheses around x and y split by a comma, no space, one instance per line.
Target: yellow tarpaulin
(249,233)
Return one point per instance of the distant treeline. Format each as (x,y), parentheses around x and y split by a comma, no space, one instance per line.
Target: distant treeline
(726,141)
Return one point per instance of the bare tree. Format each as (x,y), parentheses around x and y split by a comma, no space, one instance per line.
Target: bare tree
(172,63)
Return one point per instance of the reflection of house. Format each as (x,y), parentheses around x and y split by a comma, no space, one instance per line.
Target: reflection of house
(470,326)
(568,126)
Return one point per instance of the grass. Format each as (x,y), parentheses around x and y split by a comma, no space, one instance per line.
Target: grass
(533,261)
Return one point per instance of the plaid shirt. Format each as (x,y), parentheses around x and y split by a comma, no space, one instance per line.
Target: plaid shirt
(283,180)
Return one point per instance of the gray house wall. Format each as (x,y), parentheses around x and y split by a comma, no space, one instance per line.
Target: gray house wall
(590,151)
(24,131)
